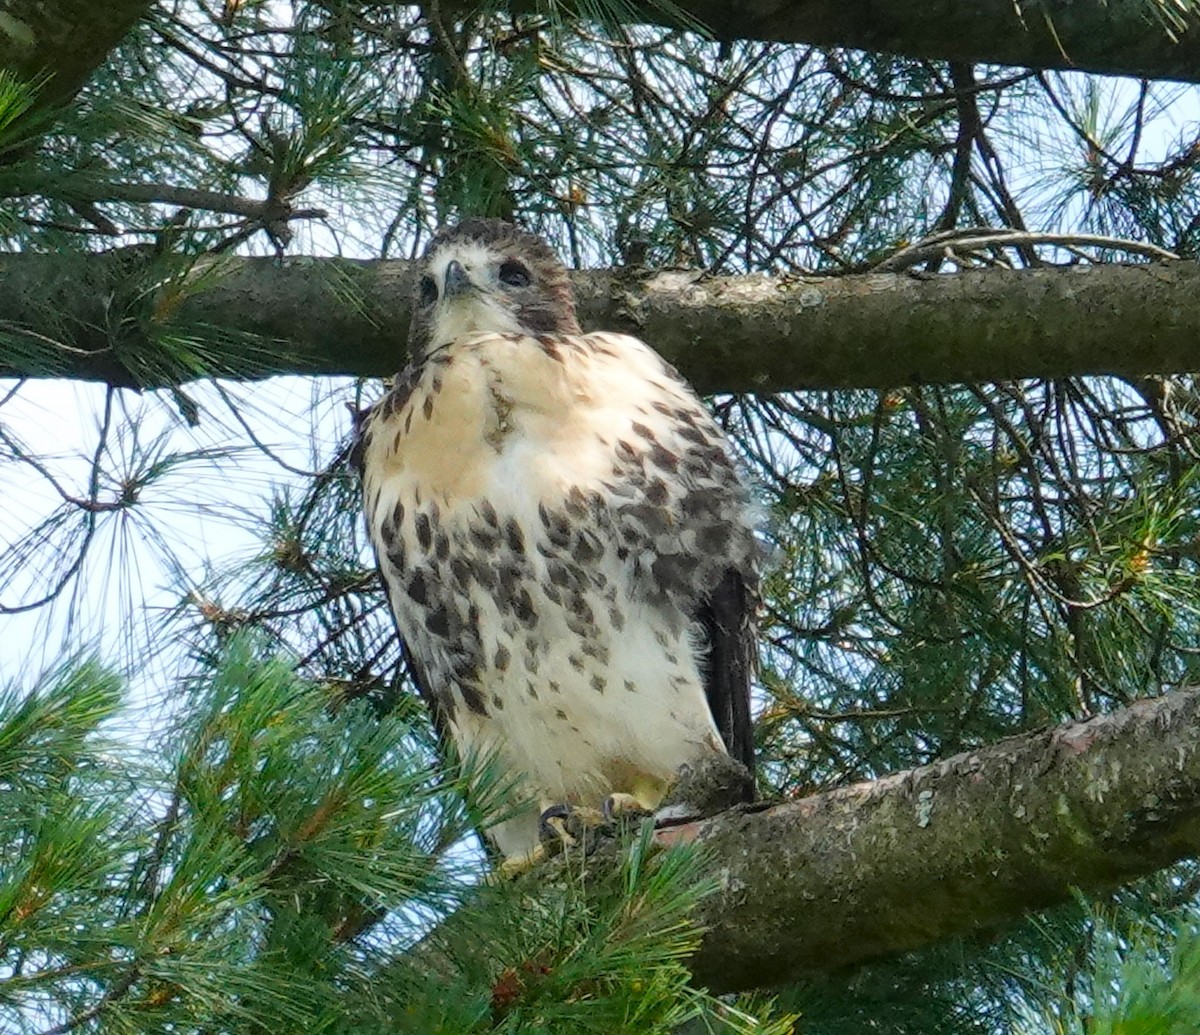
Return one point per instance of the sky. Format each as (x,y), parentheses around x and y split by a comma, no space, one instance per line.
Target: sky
(188,523)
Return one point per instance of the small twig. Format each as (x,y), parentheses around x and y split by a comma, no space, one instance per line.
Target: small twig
(12,392)
(92,1012)
(54,343)
(973,240)
(267,210)
(447,44)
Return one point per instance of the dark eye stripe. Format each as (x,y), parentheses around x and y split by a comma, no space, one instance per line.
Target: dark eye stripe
(515,274)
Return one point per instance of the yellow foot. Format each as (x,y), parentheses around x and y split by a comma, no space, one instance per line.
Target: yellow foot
(564,827)
(516,865)
(570,826)
(624,807)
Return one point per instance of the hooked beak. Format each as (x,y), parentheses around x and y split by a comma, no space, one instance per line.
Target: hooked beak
(457,281)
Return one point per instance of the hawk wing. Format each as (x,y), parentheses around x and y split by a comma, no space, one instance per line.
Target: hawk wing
(709,559)
(727,618)
(391,403)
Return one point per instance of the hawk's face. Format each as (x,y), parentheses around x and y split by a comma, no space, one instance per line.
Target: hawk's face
(487,275)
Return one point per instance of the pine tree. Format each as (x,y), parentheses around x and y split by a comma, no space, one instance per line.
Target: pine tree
(235,819)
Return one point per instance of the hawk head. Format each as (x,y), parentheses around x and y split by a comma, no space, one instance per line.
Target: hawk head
(488,275)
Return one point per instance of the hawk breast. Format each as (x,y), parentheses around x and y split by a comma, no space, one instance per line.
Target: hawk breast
(551,518)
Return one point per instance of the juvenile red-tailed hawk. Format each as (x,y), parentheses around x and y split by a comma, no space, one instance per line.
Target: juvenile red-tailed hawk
(564,539)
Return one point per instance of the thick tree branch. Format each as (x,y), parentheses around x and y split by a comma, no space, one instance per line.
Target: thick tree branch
(1116,37)
(63,40)
(62,316)
(966,845)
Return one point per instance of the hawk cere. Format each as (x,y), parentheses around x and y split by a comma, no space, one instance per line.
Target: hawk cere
(563,537)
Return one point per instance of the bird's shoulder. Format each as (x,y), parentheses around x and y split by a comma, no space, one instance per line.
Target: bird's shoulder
(539,371)
(596,402)
(366,420)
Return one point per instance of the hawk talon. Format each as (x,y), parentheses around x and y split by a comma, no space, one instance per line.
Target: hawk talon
(624,808)
(518,865)
(553,827)
(675,816)
(565,826)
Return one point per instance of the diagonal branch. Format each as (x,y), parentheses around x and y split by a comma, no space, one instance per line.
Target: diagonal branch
(64,41)
(185,197)
(945,850)
(1153,38)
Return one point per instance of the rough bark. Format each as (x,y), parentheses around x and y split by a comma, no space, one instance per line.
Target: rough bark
(63,40)
(966,845)
(1114,37)
(65,317)
(69,38)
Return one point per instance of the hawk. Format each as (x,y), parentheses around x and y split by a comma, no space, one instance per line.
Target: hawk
(565,542)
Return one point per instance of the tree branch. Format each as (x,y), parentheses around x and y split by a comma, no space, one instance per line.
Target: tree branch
(1113,37)
(168,194)
(735,334)
(64,40)
(945,850)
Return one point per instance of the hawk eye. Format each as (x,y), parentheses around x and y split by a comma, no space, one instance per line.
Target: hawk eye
(428,290)
(514,274)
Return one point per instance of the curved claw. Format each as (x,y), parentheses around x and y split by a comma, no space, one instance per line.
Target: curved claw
(626,808)
(570,826)
(517,865)
(554,824)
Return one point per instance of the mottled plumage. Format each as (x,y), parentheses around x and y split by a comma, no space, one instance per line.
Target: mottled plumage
(564,539)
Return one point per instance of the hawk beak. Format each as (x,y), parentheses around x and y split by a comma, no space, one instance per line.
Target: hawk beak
(457,281)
